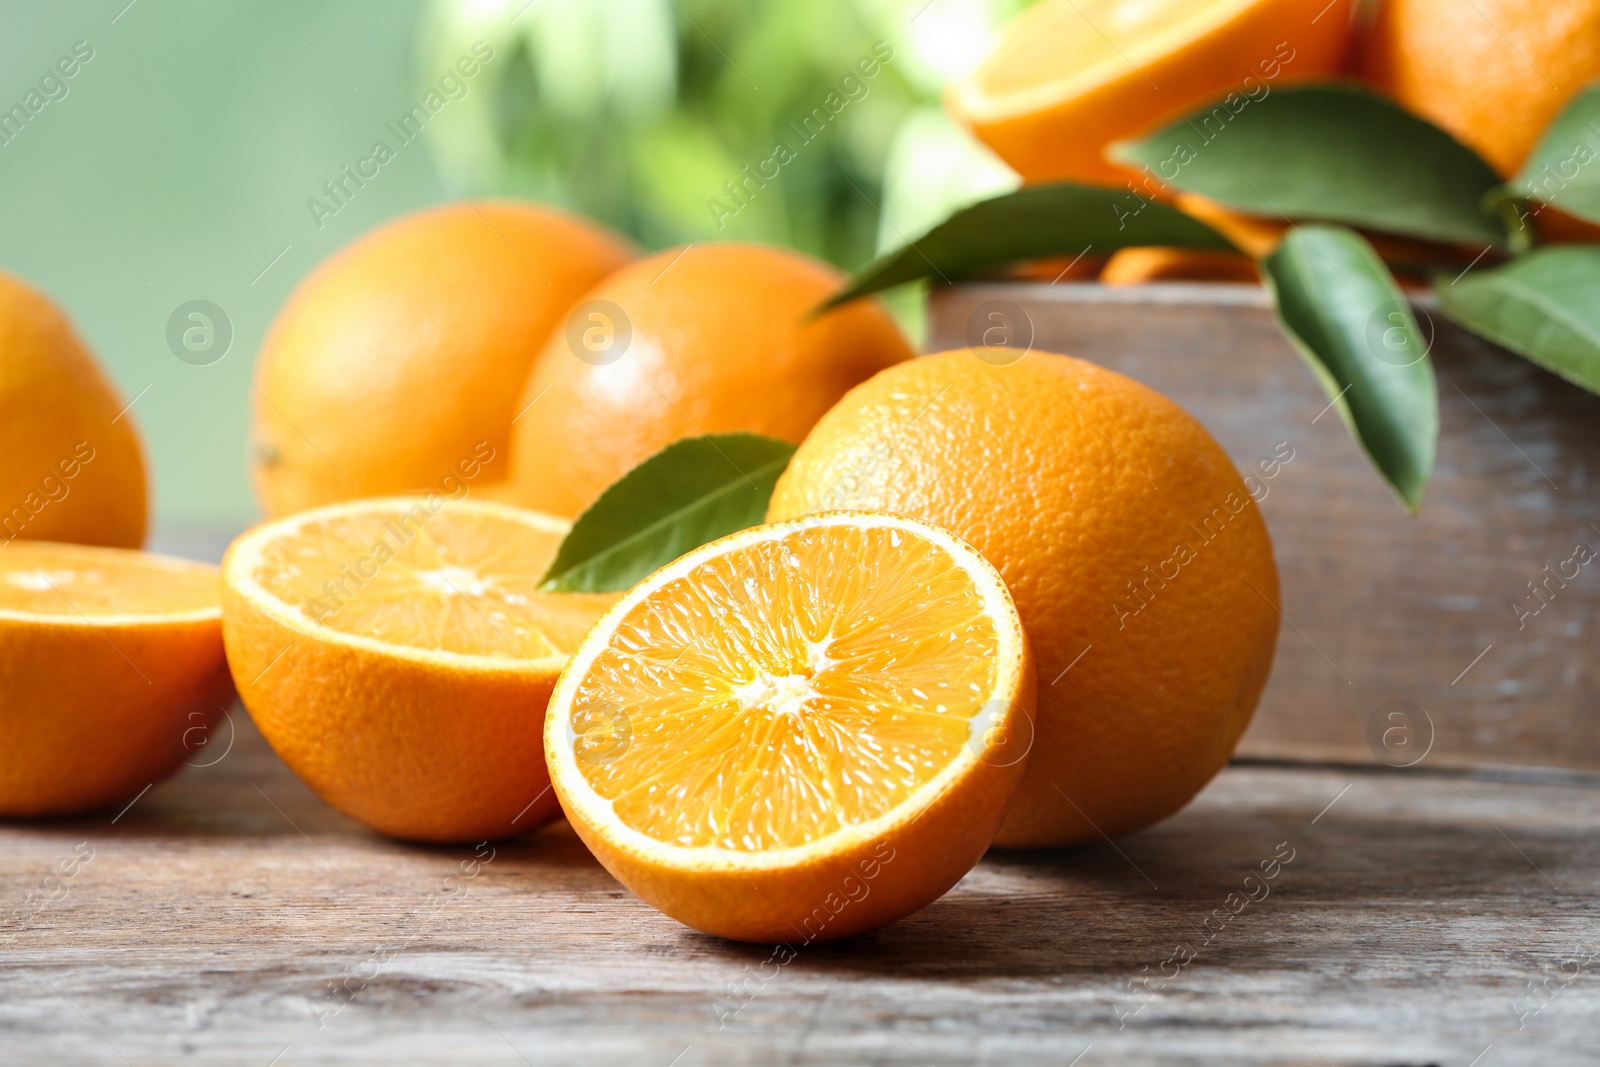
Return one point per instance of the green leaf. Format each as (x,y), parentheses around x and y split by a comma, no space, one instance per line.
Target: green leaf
(1344,312)
(691,492)
(1062,219)
(1564,169)
(1542,306)
(1335,153)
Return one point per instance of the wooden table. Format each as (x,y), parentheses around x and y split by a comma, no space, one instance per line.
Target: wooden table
(228,916)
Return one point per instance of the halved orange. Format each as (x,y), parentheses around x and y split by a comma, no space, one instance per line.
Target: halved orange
(110,662)
(1069,77)
(799,732)
(397,654)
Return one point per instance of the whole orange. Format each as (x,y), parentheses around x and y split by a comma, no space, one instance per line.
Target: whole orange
(1492,72)
(1067,78)
(712,338)
(1139,564)
(71,465)
(396,364)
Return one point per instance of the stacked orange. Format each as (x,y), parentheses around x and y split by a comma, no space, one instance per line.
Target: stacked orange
(1492,72)
(1068,78)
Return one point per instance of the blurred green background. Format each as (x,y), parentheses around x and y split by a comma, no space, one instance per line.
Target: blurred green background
(180,162)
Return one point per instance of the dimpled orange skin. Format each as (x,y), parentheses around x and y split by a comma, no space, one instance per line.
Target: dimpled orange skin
(1492,72)
(1046,467)
(402,352)
(415,750)
(82,729)
(723,340)
(1275,42)
(57,408)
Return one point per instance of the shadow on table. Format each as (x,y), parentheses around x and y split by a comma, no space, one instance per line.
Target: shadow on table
(1119,906)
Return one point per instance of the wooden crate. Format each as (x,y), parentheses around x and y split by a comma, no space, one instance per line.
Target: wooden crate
(1465,636)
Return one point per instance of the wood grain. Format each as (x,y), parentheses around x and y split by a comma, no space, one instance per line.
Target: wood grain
(1380,606)
(228,917)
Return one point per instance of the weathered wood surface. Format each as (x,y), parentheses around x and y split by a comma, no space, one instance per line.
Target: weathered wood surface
(229,917)
(1435,610)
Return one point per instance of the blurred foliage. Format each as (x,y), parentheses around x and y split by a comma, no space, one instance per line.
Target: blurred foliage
(640,112)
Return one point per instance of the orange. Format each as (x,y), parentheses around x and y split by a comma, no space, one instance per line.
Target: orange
(1140,566)
(1492,72)
(71,465)
(111,670)
(395,366)
(1054,269)
(1258,237)
(711,338)
(1067,78)
(1132,266)
(397,654)
(799,732)
(1251,234)
(1558,227)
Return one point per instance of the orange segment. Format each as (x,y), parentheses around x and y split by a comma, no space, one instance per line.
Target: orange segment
(452,580)
(71,583)
(785,702)
(1069,77)
(397,654)
(110,661)
(826,707)
(1101,40)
